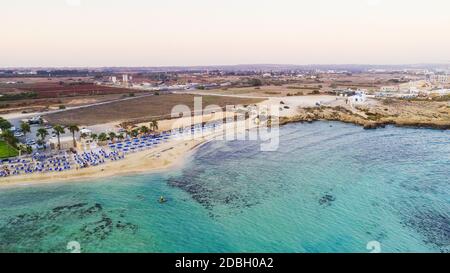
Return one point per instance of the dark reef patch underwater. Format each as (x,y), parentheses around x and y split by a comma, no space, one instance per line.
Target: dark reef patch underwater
(35,225)
(434,227)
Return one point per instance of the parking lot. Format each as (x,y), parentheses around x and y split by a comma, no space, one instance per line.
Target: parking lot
(30,138)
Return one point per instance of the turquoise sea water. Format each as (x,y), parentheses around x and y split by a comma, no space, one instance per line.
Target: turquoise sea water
(331,187)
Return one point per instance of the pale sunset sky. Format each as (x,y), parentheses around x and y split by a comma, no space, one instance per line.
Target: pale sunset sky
(220,32)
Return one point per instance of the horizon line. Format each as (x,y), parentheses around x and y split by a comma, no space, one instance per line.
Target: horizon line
(219,65)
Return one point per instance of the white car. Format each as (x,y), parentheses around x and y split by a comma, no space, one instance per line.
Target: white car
(18,134)
(40,147)
(31,142)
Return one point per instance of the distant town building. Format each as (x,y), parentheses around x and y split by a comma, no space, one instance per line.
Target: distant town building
(437,92)
(389,89)
(439,79)
(344,92)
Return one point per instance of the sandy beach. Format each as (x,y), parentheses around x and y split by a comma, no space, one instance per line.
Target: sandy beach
(168,155)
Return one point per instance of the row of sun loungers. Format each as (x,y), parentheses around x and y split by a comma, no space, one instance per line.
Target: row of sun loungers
(44,163)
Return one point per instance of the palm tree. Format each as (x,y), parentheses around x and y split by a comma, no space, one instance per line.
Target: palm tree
(121,136)
(154,125)
(134,132)
(112,136)
(144,130)
(25,149)
(102,137)
(4,124)
(94,136)
(40,142)
(58,130)
(128,133)
(9,137)
(42,133)
(22,148)
(74,128)
(25,127)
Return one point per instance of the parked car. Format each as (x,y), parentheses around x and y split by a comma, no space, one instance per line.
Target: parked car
(18,134)
(35,120)
(30,142)
(40,146)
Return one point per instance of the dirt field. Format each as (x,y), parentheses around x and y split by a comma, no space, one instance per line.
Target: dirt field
(57,90)
(304,86)
(42,104)
(267,91)
(145,108)
(27,94)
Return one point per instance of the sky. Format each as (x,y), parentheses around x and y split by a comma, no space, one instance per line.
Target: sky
(90,33)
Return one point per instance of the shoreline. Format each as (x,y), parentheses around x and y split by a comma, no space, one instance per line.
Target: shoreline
(344,115)
(172,154)
(370,126)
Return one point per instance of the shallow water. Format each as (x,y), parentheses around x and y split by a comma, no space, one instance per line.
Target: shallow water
(331,187)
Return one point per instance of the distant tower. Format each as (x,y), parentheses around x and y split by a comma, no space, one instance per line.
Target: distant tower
(114,79)
(125,78)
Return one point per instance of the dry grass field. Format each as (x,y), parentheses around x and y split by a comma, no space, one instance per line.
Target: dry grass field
(267,91)
(136,109)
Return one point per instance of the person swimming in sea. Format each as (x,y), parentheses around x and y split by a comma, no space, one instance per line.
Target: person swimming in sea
(162,199)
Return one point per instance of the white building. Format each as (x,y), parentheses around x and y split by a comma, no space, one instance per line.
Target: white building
(389,89)
(86,143)
(86,132)
(437,92)
(439,79)
(358,98)
(414,91)
(66,142)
